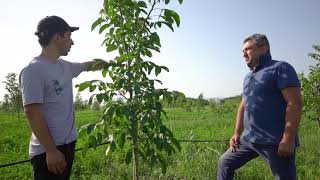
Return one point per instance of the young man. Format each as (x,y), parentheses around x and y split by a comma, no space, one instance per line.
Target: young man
(268,116)
(46,85)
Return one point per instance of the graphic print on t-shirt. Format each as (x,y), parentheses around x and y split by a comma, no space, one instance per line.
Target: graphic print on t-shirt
(57,87)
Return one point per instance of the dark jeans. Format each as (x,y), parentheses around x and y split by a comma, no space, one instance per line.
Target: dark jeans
(40,169)
(283,168)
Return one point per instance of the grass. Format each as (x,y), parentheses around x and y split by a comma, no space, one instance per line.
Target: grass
(195,161)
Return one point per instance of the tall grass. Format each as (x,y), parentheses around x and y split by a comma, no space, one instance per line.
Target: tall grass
(195,161)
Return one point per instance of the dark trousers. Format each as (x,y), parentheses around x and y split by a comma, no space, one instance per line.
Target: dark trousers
(40,169)
(283,168)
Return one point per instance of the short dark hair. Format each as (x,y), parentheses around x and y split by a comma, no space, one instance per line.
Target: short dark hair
(44,41)
(51,25)
(259,40)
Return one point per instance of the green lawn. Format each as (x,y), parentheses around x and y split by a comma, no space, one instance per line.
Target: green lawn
(195,161)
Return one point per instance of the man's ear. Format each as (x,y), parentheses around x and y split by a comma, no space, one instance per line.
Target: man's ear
(59,36)
(56,37)
(264,48)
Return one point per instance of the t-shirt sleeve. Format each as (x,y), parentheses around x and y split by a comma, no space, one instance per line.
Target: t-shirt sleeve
(77,68)
(287,76)
(32,86)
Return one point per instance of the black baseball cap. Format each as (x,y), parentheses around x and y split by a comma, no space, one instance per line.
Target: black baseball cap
(51,25)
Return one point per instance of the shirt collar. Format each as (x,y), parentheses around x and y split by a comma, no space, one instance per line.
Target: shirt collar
(263,60)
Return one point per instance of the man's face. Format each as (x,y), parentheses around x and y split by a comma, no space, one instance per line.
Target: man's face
(64,43)
(251,53)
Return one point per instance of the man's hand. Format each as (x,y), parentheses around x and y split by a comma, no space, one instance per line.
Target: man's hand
(99,64)
(286,148)
(56,162)
(234,142)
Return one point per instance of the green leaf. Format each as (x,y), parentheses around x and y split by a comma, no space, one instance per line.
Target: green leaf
(99,137)
(121,83)
(167,97)
(151,82)
(92,88)
(93,141)
(180,1)
(165,68)
(108,150)
(159,23)
(128,157)
(155,38)
(104,72)
(90,127)
(144,11)
(155,48)
(91,98)
(105,130)
(165,114)
(168,14)
(102,11)
(96,23)
(176,17)
(166,1)
(157,142)
(82,132)
(148,66)
(158,70)
(99,98)
(168,25)
(104,42)
(142,4)
(158,106)
(122,140)
(83,86)
(169,132)
(158,81)
(176,143)
(148,53)
(120,51)
(103,27)
(106,5)
(112,146)
(111,47)
(162,129)
(111,31)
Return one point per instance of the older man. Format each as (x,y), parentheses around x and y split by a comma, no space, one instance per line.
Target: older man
(268,116)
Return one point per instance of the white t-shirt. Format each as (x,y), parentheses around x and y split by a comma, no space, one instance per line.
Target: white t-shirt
(51,85)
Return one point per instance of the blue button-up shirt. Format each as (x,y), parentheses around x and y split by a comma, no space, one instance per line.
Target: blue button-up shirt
(265,107)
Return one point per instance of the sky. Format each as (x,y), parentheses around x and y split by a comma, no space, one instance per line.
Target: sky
(204,54)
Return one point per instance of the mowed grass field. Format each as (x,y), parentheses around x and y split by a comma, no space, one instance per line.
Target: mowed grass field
(195,161)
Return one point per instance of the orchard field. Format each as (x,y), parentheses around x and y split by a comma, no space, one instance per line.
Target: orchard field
(197,160)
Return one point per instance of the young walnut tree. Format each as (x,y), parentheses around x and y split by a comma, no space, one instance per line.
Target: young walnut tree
(133,125)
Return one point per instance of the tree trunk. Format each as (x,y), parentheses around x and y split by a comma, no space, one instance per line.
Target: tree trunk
(135,159)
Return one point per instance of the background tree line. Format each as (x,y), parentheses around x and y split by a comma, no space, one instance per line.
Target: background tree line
(12,100)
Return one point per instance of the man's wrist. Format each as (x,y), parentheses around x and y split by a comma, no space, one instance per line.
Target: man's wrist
(237,132)
(51,148)
(288,138)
